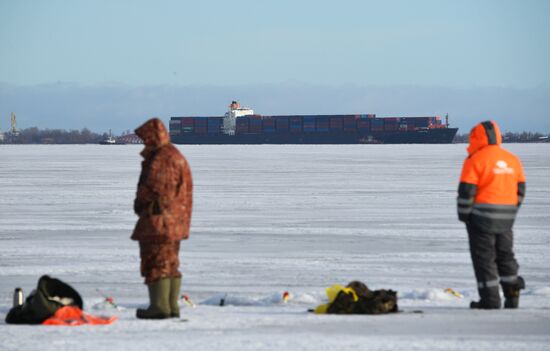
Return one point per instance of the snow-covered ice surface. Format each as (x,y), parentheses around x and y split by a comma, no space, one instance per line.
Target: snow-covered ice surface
(269,219)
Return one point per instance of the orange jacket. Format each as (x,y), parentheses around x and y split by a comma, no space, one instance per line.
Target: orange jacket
(492,183)
(164,197)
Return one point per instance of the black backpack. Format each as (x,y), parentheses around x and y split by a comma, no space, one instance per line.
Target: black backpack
(50,295)
(368,302)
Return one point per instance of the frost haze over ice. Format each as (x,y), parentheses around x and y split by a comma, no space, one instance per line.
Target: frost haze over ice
(269,219)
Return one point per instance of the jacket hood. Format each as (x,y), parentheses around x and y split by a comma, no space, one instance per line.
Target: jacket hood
(153,133)
(483,134)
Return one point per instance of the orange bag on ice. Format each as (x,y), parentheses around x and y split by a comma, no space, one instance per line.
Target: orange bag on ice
(71,316)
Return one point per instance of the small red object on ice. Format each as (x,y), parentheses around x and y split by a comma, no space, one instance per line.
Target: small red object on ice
(187,300)
(109,300)
(286,296)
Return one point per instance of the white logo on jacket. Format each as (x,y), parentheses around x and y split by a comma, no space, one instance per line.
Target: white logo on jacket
(502,168)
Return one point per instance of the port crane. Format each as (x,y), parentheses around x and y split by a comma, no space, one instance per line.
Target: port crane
(12,134)
(13,130)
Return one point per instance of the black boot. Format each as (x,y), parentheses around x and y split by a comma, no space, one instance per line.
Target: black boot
(511,293)
(159,307)
(489,299)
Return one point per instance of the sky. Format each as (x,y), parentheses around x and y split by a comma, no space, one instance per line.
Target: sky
(111,64)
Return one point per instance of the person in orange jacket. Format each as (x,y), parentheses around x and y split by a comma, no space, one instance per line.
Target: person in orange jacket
(491,190)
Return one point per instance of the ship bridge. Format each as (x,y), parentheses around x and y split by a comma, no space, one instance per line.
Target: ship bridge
(230,117)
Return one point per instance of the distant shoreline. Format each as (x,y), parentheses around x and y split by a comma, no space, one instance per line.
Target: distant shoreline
(35,136)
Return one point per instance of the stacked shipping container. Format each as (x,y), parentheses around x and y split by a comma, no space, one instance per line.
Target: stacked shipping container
(187,125)
(309,124)
(214,125)
(336,124)
(201,125)
(391,124)
(268,124)
(175,127)
(241,126)
(363,125)
(281,123)
(322,124)
(349,124)
(295,124)
(377,124)
(256,124)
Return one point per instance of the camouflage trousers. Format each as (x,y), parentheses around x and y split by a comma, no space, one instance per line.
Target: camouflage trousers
(159,260)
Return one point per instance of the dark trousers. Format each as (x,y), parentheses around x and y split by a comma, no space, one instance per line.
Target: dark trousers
(493,260)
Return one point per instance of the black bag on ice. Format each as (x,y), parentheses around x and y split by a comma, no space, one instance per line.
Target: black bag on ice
(50,295)
(365,301)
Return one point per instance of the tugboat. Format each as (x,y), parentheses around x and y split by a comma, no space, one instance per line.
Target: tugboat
(110,140)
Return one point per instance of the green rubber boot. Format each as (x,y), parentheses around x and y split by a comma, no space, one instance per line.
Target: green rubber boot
(175,285)
(159,307)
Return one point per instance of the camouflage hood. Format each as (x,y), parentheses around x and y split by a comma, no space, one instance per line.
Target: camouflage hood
(153,133)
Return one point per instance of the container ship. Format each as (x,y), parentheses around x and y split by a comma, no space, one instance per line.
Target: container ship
(240,125)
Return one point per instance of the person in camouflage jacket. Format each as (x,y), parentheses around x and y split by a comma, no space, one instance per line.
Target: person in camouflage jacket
(164,201)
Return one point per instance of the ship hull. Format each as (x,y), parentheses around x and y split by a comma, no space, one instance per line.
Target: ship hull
(428,136)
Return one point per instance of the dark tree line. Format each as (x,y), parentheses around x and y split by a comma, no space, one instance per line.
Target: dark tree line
(58,136)
(35,135)
(509,137)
